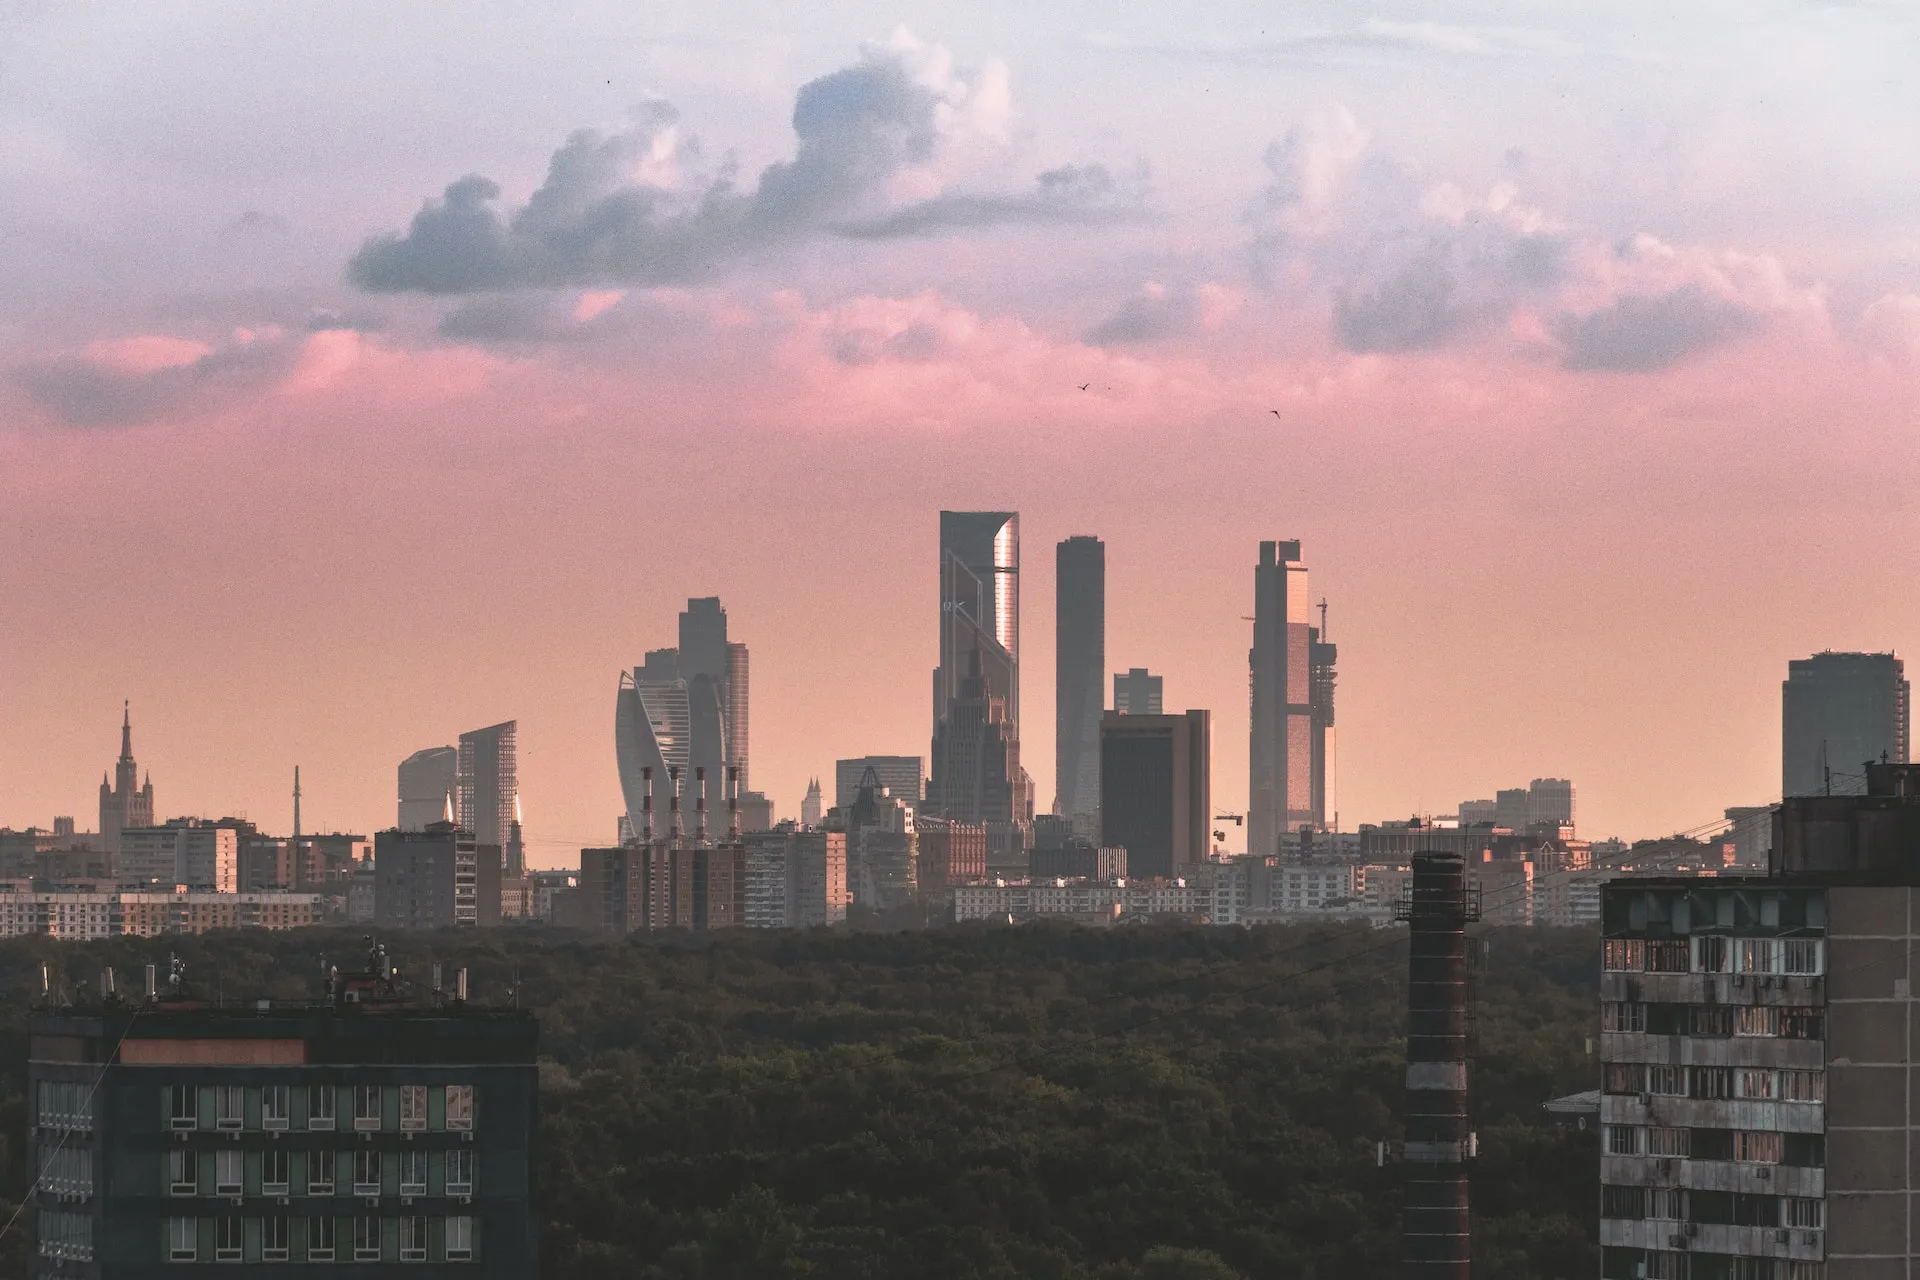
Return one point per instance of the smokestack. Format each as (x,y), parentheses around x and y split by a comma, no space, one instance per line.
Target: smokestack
(646,805)
(460,985)
(673,773)
(1434,1235)
(733,804)
(700,804)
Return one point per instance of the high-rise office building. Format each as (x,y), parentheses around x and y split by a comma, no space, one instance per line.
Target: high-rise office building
(126,802)
(439,878)
(1280,745)
(1156,790)
(371,1134)
(684,708)
(1550,801)
(429,787)
(978,679)
(904,777)
(976,758)
(1839,711)
(1080,667)
(1322,655)
(487,800)
(1136,692)
(1511,806)
(810,808)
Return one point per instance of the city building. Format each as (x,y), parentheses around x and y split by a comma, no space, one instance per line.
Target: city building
(1750,828)
(951,853)
(810,810)
(1156,790)
(1322,655)
(429,784)
(1510,808)
(667,880)
(795,878)
(685,708)
(1479,813)
(904,777)
(186,851)
(1136,692)
(487,801)
(367,1132)
(1076,860)
(126,801)
(756,811)
(438,878)
(882,847)
(1550,801)
(1080,665)
(1839,711)
(1280,743)
(976,774)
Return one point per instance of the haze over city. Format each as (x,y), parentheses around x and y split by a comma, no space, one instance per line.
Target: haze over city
(1580,356)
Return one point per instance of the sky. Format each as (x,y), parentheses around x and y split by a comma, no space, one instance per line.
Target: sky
(371,373)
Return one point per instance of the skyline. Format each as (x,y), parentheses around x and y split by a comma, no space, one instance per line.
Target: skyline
(1569,350)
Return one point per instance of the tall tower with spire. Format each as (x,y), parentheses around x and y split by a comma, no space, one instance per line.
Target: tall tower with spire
(124,802)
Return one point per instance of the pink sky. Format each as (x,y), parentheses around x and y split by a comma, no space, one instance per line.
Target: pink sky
(1578,478)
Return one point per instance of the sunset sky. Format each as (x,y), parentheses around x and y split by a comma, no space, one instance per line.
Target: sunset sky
(369,373)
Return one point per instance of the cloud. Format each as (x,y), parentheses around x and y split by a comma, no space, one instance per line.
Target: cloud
(1642,333)
(258,222)
(1072,194)
(635,208)
(326,319)
(115,383)
(1890,327)
(1155,313)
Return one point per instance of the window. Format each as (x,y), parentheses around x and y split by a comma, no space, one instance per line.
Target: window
(1808,1215)
(183,1239)
(320,1173)
(1623,1202)
(1802,1024)
(180,1174)
(1668,1204)
(273,1240)
(1806,1271)
(1753,1082)
(1665,1265)
(460,1172)
(1754,1269)
(320,1239)
(413,1106)
(230,1106)
(459,1239)
(459,1106)
(1668,955)
(413,1173)
(1624,955)
(184,1106)
(276,1173)
(1756,1020)
(228,1173)
(1618,1015)
(413,1239)
(227,1240)
(366,1173)
(1623,1140)
(366,1106)
(1807,1150)
(1625,1077)
(1667,1081)
(1800,955)
(1756,1147)
(1712,1082)
(1711,1020)
(1803,1086)
(320,1102)
(1669,1142)
(366,1239)
(1755,955)
(1711,954)
(276,1107)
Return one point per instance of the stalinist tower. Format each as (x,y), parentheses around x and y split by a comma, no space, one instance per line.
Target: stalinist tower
(122,805)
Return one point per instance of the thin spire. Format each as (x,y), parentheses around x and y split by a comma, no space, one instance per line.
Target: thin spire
(126,730)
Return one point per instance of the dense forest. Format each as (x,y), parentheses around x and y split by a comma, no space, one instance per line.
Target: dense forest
(1053,1103)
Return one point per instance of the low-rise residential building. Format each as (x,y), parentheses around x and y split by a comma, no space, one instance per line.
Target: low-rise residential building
(80,915)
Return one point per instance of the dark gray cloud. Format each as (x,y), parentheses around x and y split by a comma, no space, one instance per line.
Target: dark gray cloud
(1415,291)
(1643,333)
(592,224)
(326,318)
(258,221)
(1072,194)
(1148,317)
(510,318)
(87,392)
(870,346)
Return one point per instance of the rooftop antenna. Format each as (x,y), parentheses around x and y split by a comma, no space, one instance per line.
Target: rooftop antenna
(1323,619)
(646,805)
(298,868)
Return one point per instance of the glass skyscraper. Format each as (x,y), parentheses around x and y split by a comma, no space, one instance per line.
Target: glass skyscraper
(1080,664)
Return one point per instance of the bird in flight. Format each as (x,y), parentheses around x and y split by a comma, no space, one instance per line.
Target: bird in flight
(1085,385)
(1274,412)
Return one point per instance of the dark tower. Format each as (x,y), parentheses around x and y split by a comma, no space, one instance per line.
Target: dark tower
(1435,1241)
(1080,672)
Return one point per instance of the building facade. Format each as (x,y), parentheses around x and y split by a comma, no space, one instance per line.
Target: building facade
(795,878)
(1137,692)
(378,1141)
(1280,745)
(429,784)
(488,799)
(1156,790)
(126,801)
(976,772)
(1839,711)
(439,878)
(1080,666)
(904,777)
(187,851)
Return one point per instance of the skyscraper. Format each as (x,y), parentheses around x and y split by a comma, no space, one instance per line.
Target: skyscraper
(1080,666)
(904,777)
(684,708)
(489,783)
(979,666)
(1837,712)
(1156,803)
(429,784)
(126,802)
(1280,746)
(1321,656)
(810,812)
(1136,692)
(1550,800)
